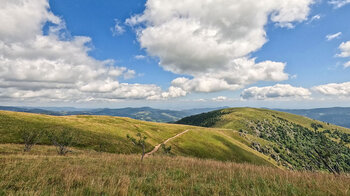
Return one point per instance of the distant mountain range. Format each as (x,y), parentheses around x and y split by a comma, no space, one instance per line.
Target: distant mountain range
(337,115)
(144,113)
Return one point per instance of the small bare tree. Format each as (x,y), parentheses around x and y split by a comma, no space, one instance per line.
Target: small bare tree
(61,138)
(140,141)
(30,138)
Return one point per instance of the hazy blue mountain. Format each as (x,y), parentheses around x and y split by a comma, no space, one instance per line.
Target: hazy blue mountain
(337,115)
(30,110)
(195,111)
(63,109)
(144,113)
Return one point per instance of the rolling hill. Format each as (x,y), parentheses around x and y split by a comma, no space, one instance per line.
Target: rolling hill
(108,134)
(293,141)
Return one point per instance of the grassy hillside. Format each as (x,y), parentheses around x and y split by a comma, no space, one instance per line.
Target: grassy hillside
(293,141)
(215,144)
(82,172)
(108,134)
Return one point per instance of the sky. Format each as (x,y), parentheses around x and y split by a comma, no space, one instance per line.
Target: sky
(175,54)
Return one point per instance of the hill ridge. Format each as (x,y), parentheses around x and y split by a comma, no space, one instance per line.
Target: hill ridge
(294,141)
(108,134)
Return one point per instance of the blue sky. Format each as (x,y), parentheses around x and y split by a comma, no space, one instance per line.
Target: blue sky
(285,61)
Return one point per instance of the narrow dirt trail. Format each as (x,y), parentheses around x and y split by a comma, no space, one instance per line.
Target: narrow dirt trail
(158,146)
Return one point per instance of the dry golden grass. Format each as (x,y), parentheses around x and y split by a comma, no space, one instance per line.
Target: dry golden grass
(41,172)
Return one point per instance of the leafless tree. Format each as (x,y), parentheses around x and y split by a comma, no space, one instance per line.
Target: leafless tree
(140,141)
(30,138)
(61,138)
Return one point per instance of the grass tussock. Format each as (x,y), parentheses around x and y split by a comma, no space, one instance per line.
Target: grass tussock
(42,172)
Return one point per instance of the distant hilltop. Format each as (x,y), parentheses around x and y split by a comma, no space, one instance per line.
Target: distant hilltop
(142,113)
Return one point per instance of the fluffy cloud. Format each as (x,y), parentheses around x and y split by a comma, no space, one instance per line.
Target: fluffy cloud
(238,73)
(347,64)
(278,91)
(339,3)
(333,36)
(211,41)
(345,49)
(117,29)
(345,52)
(220,98)
(23,19)
(334,89)
(53,67)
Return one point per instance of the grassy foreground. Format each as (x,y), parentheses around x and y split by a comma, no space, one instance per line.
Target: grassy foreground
(42,172)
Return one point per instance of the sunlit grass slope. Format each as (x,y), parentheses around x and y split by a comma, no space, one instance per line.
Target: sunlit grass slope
(82,172)
(241,118)
(293,141)
(216,144)
(108,134)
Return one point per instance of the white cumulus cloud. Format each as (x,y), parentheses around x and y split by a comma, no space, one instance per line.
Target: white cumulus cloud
(334,89)
(345,52)
(345,49)
(212,41)
(220,98)
(347,64)
(278,91)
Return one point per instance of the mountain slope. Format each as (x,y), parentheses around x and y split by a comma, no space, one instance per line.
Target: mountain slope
(294,141)
(108,134)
